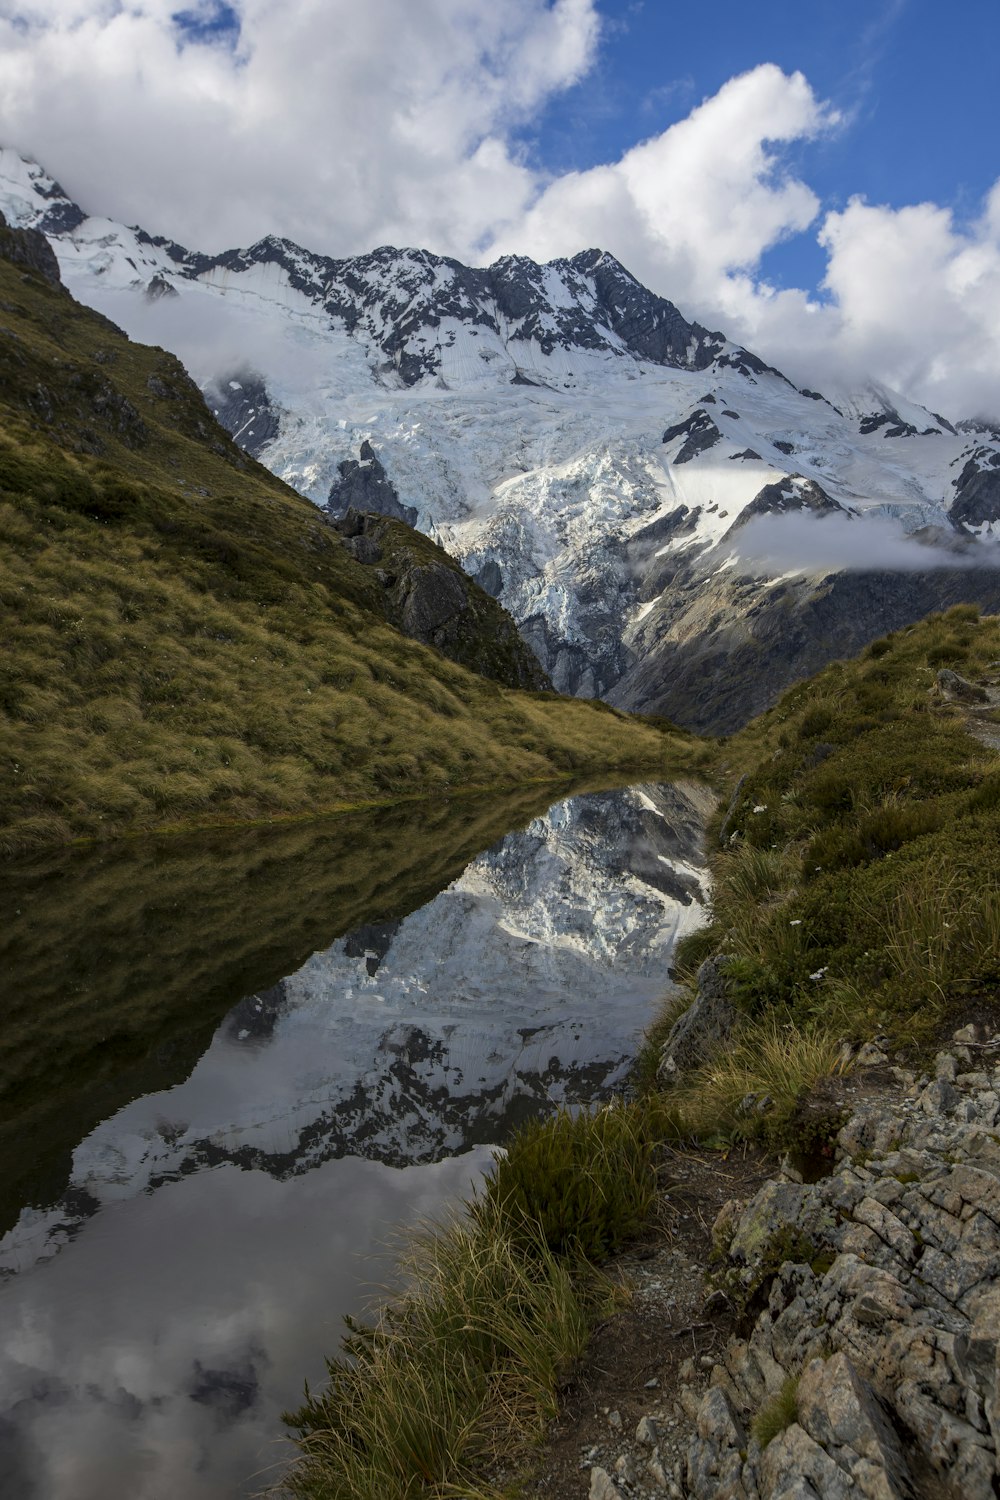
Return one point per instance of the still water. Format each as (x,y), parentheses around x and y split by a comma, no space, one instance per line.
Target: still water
(233,1068)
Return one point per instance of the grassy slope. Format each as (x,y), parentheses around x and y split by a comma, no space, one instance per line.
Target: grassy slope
(857,889)
(184,641)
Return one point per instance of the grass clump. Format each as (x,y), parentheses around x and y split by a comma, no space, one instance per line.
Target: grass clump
(755,1085)
(778,1413)
(461,1371)
(449,1378)
(586,1182)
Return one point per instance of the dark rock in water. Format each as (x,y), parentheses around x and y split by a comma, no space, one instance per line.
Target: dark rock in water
(429,597)
(30,248)
(954,686)
(700,434)
(364,485)
(371,942)
(703,1028)
(240,401)
(255,1017)
(977,489)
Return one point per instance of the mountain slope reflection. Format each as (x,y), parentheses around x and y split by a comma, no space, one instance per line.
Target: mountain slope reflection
(521,985)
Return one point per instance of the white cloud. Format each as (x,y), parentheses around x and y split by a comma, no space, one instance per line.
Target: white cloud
(345,126)
(704,199)
(803,543)
(336,124)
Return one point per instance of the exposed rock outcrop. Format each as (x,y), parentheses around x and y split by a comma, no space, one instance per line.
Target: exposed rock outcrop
(30,248)
(703,1028)
(365,486)
(886,1312)
(428,597)
(716,650)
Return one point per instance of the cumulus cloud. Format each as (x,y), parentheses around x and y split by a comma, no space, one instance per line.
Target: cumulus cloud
(344,127)
(702,200)
(819,544)
(335,124)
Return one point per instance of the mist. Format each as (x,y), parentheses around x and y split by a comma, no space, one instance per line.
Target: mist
(802,543)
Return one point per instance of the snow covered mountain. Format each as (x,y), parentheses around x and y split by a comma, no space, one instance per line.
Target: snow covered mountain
(608,470)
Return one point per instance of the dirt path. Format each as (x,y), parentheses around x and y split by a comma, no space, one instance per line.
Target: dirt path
(662,1335)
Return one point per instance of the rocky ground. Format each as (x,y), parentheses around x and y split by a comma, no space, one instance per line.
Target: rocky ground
(846,1339)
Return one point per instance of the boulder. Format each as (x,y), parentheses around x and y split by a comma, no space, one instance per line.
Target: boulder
(703,1028)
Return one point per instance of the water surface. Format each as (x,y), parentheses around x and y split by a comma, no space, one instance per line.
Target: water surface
(232,1067)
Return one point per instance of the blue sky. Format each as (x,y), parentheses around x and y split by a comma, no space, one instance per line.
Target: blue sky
(915,81)
(819,180)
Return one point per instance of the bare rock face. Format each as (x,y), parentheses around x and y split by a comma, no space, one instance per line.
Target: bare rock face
(428,597)
(364,485)
(703,1028)
(30,248)
(880,1336)
(956,687)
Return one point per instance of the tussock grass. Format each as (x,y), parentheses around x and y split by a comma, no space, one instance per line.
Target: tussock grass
(586,1182)
(461,1371)
(778,1413)
(756,1084)
(447,1379)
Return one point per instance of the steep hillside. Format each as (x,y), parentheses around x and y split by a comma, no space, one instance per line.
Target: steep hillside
(857,877)
(186,639)
(604,467)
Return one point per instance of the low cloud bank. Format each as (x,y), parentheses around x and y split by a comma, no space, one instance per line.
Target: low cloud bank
(775,545)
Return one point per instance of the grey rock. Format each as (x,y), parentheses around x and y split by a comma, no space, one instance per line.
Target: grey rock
(29,248)
(648,1432)
(658,1474)
(945,1066)
(792,1456)
(959,688)
(428,597)
(900,1335)
(870,1056)
(602,1486)
(364,485)
(625,1468)
(704,1027)
(841,1412)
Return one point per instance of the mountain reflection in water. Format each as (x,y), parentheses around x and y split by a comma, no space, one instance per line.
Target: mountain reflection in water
(182,1258)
